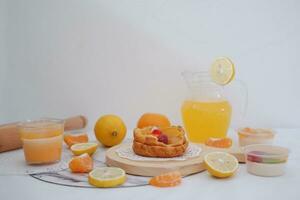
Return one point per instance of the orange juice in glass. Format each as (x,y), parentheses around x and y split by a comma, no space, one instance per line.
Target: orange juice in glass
(42,140)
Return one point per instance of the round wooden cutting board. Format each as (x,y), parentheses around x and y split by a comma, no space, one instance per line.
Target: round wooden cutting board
(153,168)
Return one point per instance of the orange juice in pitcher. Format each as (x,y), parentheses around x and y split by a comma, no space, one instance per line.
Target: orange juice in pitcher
(205,119)
(206,112)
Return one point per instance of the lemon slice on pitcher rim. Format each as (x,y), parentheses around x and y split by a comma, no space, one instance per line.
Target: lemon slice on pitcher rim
(107,177)
(81,148)
(221,164)
(222,71)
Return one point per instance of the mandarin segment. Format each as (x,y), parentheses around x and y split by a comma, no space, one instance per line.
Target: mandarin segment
(81,164)
(71,139)
(219,142)
(169,179)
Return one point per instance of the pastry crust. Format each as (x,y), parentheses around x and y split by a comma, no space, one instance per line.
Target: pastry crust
(146,144)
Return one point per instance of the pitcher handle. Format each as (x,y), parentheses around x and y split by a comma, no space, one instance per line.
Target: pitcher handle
(244,87)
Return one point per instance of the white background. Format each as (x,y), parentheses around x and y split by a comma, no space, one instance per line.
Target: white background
(60,58)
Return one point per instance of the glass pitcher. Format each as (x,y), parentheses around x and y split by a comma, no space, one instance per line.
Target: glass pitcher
(206,112)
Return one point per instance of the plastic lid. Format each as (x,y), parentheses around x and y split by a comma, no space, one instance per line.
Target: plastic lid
(266,151)
(258,132)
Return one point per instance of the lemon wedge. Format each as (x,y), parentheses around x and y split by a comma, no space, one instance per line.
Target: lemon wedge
(81,148)
(222,71)
(107,177)
(221,164)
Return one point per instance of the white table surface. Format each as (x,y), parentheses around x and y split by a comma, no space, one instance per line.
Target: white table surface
(200,186)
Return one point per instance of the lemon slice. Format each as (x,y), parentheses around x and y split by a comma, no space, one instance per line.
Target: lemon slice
(107,177)
(222,71)
(81,148)
(221,164)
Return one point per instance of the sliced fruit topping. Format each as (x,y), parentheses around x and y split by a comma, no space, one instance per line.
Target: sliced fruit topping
(219,142)
(174,134)
(81,148)
(221,164)
(107,177)
(81,164)
(169,179)
(156,132)
(163,138)
(71,139)
(172,131)
(222,71)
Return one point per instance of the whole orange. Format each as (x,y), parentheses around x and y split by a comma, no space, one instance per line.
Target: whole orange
(153,119)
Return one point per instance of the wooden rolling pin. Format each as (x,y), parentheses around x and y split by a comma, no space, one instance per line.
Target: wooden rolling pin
(10,139)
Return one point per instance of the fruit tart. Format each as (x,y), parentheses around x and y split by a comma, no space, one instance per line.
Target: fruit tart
(166,142)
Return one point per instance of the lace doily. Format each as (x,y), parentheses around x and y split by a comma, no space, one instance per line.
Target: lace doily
(127,152)
(13,163)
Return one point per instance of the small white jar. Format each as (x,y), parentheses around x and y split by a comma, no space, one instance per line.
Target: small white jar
(249,136)
(266,160)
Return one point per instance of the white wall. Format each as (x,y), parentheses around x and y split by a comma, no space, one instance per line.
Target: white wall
(3,55)
(125,57)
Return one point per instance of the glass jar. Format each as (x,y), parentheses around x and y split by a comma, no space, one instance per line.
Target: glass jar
(206,112)
(42,140)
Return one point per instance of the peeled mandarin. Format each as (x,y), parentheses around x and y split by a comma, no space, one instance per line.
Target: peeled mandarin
(81,164)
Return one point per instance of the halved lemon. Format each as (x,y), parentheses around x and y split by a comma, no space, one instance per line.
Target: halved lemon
(221,164)
(107,177)
(81,148)
(222,71)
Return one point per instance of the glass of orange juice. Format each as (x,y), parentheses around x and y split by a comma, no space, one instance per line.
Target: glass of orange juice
(42,140)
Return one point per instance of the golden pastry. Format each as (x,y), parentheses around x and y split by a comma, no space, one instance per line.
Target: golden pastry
(164,142)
